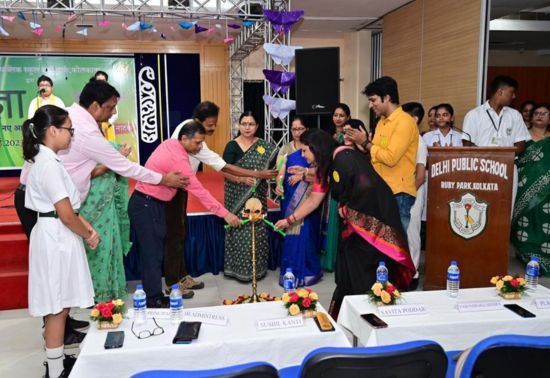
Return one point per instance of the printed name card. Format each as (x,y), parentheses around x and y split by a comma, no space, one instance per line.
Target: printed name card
(157,313)
(542,303)
(288,322)
(402,310)
(205,317)
(476,306)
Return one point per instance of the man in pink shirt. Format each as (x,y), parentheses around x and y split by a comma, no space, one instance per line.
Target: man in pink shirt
(147,206)
(89,147)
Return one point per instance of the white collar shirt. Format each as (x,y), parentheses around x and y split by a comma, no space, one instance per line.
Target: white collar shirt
(452,139)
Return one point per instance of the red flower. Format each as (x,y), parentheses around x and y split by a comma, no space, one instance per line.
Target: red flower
(106,312)
(390,289)
(308,290)
(110,305)
(293,297)
(306,302)
(514,282)
(100,306)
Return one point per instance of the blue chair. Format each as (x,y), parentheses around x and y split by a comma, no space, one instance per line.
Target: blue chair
(416,359)
(506,356)
(250,370)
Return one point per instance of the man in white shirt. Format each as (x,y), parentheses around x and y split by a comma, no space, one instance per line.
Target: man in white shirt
(495,124)
(175,270)
(45,96)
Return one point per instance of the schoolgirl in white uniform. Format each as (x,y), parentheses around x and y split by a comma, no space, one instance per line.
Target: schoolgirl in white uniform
(59,277)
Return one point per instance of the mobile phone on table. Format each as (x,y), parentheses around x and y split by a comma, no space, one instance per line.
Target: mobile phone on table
(519,310)
(323,322)
(374,321)
(115,339)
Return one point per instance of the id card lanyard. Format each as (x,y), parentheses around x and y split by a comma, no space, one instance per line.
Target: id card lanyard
(497,129)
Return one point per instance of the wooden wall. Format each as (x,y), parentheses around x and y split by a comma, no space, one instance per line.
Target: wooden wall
(534,82)
(431,47)
(214,67)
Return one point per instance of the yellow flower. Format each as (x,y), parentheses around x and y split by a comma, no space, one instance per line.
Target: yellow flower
(499,284)
(494,279)
(264,295)
(261,150)
(396,293)
(377,288)
(285,298)
(507,278)
(294,310)
(94,313)
(386,297)
(302,293)
(278,299)
(313,296)
(521,281)
(117,318)
(118,302)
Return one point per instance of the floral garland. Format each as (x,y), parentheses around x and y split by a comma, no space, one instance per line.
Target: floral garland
(111,312)
(385,293)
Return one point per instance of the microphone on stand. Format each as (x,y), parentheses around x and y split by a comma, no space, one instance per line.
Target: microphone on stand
(459,130)
(41,91)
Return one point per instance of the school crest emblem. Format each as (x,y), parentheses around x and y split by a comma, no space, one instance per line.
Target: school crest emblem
(468,216)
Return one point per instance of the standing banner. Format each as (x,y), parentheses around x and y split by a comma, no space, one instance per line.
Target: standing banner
(69,75)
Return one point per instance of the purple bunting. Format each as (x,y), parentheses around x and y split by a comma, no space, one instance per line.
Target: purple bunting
(280,80)
(234,26)
(200,29)
(282,21)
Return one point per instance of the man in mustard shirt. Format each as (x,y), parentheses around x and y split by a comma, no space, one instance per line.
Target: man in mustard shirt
(393,148)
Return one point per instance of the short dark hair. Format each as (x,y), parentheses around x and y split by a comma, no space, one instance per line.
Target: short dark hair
(102,73)
(384,86)
(525,103)
(322,145)
(356,124)
(44,78)
(415,109)
(34,129)
(190,129)
(432,108)
(301,119)
(97,90)
(502,82)
(204,110)
(447,107)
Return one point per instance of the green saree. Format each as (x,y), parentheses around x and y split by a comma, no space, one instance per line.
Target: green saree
(531,217)
(238,241)
(106,208)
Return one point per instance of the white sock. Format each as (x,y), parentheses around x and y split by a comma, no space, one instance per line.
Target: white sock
(55,361)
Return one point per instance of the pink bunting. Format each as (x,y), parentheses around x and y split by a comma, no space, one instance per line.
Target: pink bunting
(38,31)
(71,17)
(228,40)
(210,31)
(58,28)
(124,26)
(105,23)
(8,18)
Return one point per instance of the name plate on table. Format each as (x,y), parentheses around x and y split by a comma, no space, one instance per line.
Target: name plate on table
(542,303)
(402,310)
(205,317)
(288,322)
(157,313)
(477,306)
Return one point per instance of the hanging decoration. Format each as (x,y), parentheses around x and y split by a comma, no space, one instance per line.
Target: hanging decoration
(199,29)
(134,27)
(248,23)
(186,24)
(8,18)
(281,54)
(234,26)
(282,21)
(279,107)
(83,32)
(4,32)
(38,31)
(279,80)
(71,17)
(104,23)
(58,28)
(21,16)
(34,25)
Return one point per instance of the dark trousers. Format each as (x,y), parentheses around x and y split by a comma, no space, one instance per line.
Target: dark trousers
(148,228)
(176,230)
(26,216)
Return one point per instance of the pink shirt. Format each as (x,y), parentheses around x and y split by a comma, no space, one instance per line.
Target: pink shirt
(90,148)
(170,156)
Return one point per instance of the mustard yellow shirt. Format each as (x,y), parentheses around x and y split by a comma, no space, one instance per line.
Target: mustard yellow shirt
(393,151)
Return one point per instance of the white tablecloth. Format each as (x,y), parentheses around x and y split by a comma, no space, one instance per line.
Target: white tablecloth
(443,323)
(217,346)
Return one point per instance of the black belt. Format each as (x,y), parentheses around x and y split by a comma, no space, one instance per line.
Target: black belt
(51,214)
(148,197)
(22,187)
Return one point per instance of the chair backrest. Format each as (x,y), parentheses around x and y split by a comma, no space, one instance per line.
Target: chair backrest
(506,356)
(250,370)
(417,359)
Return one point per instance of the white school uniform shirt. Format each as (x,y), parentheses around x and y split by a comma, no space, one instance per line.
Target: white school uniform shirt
(489,129)
(452,139)
(205,155)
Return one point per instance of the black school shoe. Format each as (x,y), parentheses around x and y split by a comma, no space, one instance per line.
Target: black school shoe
(162,302)
(68,364)
(78,325)
(73,339)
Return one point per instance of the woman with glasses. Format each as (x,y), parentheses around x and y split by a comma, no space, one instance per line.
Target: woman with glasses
(302,243)
(531,217)
(249,152)
(59,277)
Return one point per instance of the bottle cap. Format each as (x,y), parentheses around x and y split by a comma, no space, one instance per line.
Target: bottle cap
(139,287)
(175,287)
(453,262)
(381,263)
(289,270)
(534,258)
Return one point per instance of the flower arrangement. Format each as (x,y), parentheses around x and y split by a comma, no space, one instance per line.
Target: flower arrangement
(509,287)
(108,314)
(300,301)
(384,293)
(244,298)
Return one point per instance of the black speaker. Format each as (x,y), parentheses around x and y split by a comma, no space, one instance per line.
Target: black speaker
(317,80)
(59,4)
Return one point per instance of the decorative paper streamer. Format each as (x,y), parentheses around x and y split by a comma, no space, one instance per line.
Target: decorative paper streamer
(71,17)
(134,27)
(279,107)
(38,31)
(21,16)
(218,26)
(280,80)
(83,32)
(210,31)
(282,21)
(4,32)
(104,23)
(162,35)
(186,25)
(234,26)
(124,26)
(144,25)
(248,24)
(199,29)
(8,18)
(281,54)
(34,25)
(228,40)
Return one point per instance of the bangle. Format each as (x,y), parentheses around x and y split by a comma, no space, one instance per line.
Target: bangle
(289,221)
(293,216)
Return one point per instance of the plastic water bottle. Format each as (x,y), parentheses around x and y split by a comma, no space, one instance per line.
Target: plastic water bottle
(176,304)
(289,281)
(453,280)
(532,273)
(140,305)
(382,273)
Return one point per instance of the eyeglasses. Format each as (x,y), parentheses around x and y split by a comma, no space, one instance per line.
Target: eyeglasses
(540,114)
(70,129)
(249,124)
(298,129)
(158,330)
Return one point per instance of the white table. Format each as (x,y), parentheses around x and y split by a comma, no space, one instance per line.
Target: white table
(217,346)
(443,323)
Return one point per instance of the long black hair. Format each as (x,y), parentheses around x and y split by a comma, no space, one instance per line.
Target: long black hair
(34,129)
(322,145)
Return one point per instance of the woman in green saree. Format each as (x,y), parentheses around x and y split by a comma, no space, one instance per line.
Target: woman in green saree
(250,152)
(531,217)
(106,208)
